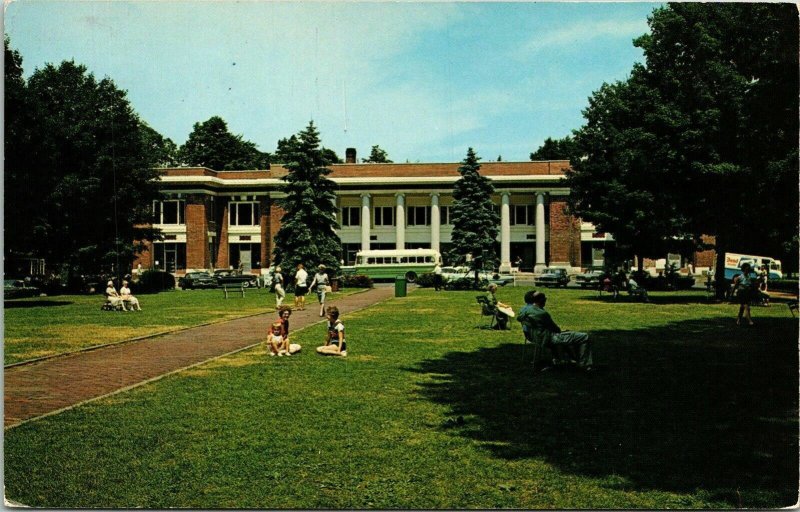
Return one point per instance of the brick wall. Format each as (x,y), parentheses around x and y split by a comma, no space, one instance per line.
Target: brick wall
(145,257)
(706,258)
(273,225)
(197,255)
(223,259)
(263,208)
(565,235)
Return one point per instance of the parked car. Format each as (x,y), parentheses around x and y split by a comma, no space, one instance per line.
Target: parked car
(197,280)
(232,277)
(453,273)
(553,277)
(18,288)
(590,278)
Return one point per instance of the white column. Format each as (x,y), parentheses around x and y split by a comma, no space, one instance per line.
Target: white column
(400,220)
(365,222)
(540,258)
(435,222)
(505,232)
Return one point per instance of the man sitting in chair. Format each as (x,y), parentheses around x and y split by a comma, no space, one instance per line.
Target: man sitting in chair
(501,317)
(541,328)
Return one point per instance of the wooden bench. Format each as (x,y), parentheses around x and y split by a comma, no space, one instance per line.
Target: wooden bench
(234,290)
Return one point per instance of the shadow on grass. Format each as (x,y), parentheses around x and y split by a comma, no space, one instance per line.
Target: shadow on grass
(9,304)
(695,406)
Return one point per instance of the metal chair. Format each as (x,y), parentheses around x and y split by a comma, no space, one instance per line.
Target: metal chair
(486,310)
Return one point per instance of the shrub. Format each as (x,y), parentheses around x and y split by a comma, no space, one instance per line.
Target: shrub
(466,283)
(357,281)
(782,285)
(425,280)
(154,281)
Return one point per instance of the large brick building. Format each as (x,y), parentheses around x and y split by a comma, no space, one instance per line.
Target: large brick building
(217,219)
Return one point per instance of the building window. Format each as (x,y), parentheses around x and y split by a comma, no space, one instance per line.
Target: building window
(244,214)
(170,211)
(419,215)
(384,216)
(169,256)
(522,215)
(444,215)
(351,216)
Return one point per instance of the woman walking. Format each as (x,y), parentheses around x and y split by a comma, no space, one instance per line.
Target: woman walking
(280,293)
(745,283)
(321,282)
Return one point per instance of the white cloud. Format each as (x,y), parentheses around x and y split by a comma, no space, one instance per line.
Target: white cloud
(581,33)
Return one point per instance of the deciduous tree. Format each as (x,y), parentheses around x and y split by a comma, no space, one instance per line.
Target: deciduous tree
(87,182)
(212,145)
(377,156)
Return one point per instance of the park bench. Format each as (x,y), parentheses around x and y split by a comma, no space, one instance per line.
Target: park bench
(234,289)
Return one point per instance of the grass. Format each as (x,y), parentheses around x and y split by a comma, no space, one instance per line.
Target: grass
(685,411)
(46,326)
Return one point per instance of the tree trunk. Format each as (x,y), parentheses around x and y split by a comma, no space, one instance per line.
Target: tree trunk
(640,262)
(720,283)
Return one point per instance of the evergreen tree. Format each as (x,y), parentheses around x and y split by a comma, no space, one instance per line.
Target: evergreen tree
(475,220)
(287,147)
(307,233)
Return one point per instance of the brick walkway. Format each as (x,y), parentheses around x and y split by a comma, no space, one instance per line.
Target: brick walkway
(50,386)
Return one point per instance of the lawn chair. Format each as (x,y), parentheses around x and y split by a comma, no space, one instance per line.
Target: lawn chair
(537,347)
(486,310)
(792,306)
(116,305)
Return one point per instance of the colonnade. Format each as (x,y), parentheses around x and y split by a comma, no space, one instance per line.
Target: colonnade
(435,226)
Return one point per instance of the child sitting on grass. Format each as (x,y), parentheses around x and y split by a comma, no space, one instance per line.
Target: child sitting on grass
(335,345)
(278,343)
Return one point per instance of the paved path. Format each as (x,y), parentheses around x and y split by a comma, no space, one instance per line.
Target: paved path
(52,385)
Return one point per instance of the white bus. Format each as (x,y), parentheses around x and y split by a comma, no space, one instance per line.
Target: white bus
(388,264)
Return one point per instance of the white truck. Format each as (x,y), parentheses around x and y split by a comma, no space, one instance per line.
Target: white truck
(734,262)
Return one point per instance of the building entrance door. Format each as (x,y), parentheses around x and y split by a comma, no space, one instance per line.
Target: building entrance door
(170,258)
(245,259)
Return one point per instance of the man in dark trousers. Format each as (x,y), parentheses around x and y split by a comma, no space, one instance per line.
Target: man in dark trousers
(542,328)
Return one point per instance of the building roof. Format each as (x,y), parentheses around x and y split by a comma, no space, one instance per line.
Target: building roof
(415,170)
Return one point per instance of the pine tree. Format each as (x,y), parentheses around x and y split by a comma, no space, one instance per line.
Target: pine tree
(307,233)
(474,219)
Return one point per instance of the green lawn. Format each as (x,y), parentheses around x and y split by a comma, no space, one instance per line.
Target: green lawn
(44,326)
(685,411)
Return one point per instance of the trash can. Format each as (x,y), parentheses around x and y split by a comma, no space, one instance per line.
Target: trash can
(400,286)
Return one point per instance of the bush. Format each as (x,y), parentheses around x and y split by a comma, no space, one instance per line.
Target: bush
(357,281)
(782,285)
(154,281)
(466,283)
(425,280)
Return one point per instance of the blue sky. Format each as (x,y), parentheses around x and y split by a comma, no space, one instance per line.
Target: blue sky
(425,81)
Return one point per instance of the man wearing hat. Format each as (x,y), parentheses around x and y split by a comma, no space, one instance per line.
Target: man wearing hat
(321,281)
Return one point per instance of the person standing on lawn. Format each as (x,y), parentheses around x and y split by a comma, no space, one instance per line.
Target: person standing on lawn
(321,282)
(745,284)
(300,287)
(335,344)
(542,327)
(437,276)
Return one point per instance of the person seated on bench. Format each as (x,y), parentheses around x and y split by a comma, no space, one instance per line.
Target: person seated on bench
(637,291)
(502,318)
(113,297)
(125,294)
(575,345)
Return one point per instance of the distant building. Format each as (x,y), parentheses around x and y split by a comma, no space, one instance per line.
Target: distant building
(219,219)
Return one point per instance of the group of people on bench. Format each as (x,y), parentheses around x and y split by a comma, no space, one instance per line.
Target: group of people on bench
(122,298)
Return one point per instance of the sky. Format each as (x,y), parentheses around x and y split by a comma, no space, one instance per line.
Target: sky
(424,81)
